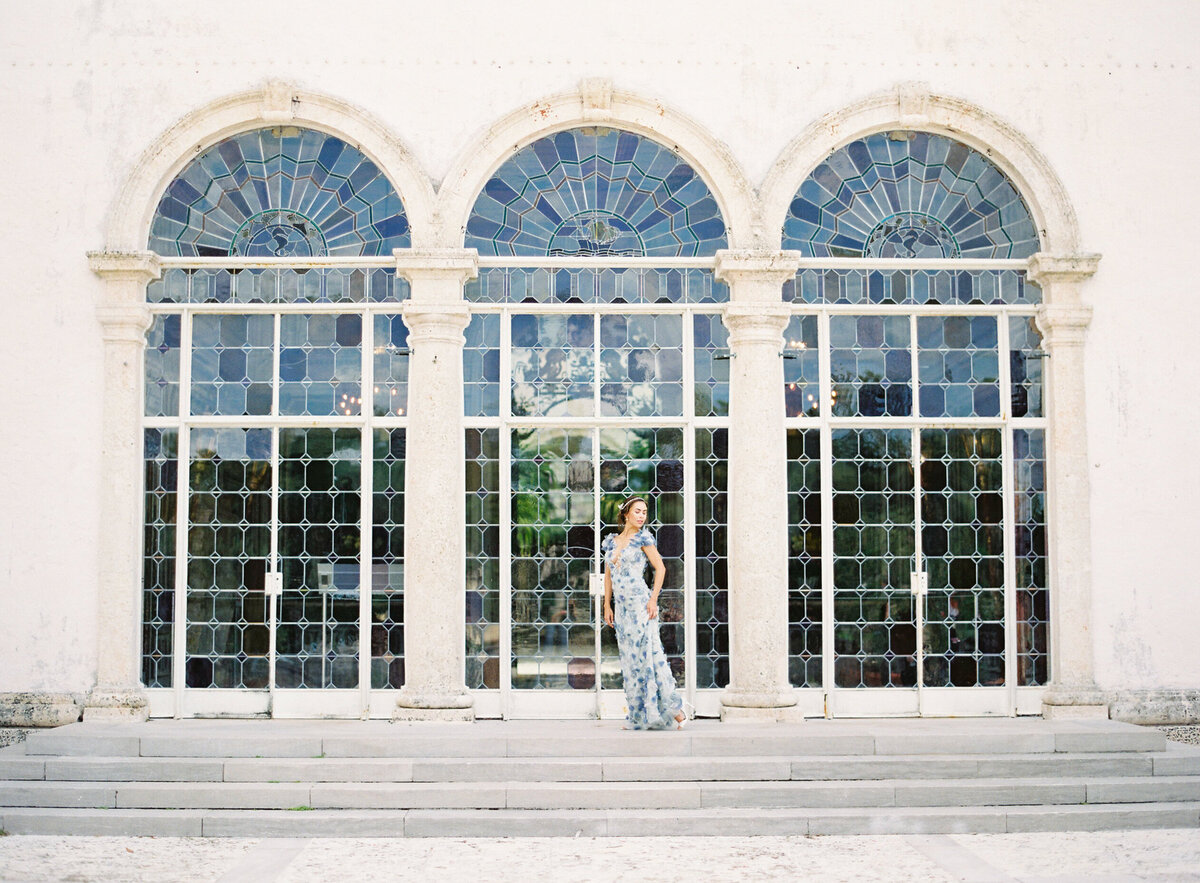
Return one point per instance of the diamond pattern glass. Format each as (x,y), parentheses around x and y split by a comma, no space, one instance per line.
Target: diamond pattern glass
(387,559)
(320,364)
(874,539)
(962,545)
(801,368)
(641,365)
(804,557)
(1025,357)
(233,365)
(870,366)
(553,365)
(909,195)
(320,503)
(712,558)
(915,287)
(281,192)
(595,191)
(483,558)
(710,355)
(229,543)
(630,285)
(161,453)
(958,366)
(390,366)
(180,285)
(1033,597)
(481,366)
(162,366)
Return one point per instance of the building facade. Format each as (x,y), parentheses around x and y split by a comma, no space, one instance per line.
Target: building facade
(358,433)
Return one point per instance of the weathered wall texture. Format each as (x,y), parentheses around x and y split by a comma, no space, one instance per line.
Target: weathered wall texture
(1107,91)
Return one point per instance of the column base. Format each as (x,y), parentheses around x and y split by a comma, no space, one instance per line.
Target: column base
(428,705)
(787,714)
(38,709)
(751,705)
(1074,703)
(111,706)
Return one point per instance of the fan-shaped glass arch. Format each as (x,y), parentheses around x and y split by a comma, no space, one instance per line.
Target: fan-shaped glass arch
(283,192)
(596,191)
(909,195)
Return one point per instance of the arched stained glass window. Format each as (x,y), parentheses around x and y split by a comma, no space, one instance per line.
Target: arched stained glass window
(909,195)
(283,192)
(596,192)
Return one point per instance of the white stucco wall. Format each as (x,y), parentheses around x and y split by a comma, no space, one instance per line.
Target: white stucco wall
(1106,90)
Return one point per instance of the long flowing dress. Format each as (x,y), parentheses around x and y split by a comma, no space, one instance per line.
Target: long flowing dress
(649,685)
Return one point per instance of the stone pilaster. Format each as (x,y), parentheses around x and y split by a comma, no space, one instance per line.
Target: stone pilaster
(758,557)
(1063,319)
(124,319)
(435,508)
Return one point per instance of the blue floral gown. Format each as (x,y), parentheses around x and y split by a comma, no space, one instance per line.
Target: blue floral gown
(649,685)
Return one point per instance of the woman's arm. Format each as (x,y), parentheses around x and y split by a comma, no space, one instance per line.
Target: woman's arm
(608,614)
(660,574)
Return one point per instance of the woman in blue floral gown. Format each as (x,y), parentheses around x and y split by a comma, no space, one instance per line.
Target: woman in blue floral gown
(650,693)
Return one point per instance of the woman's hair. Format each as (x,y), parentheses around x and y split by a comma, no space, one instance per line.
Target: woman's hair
(626,506)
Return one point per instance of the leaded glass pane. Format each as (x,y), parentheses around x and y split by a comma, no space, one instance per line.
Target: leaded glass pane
(958,366)
(162,366)
(553,543)
(912,287)
(632,285)
(481,366)
(232,365)
(649,463)
(229,541)
(870,366)
(962,544)
(320,364)
(712,558)
(320,507)
(180,285)
(710,355)
(280,192)
(801,368)
(390,366)
(909,195)
(1033,597)
(804,557)
(553,365)
(161,453)
(596,191)
(483,559)
(387,559)
(1026,360)
(874,538)
(641,365)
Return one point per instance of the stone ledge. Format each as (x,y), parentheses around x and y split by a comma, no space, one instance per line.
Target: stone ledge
(36,709)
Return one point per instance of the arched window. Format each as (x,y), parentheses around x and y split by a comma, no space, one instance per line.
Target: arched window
(916,431)
(276,389)
(594,371)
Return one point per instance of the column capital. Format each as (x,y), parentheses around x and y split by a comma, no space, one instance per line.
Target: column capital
(442,264)
(763,265)
(1047,269)
(756,323)
(436,322)
(1062,324)
(125,266)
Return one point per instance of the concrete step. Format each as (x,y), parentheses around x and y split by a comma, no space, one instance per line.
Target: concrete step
(599,795)
(595,823)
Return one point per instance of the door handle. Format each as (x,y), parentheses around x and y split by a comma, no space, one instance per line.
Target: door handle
(273,583)
(919,583)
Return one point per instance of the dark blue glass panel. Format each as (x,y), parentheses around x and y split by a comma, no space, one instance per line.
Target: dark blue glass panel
(909,195)
(280,193)
(593,192)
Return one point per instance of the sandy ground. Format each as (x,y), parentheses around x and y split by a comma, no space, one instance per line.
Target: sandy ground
(1168,855)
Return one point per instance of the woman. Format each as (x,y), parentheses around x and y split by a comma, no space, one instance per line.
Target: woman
(649,685)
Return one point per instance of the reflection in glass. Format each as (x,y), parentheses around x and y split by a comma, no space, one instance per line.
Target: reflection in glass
(320,365)
(710,356)
(870,366)
(712,558)
(233,364)
(162,366)
(387,559)
(553,365)
(1033,597)
(161,452)
(958,366)
(1026,366)
(483,559)
(804,557)
(801,368)
(481,366)
(641,365)
(390,366)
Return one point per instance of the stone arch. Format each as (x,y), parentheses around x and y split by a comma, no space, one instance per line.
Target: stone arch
(913,106)
(595,103)
(276,103)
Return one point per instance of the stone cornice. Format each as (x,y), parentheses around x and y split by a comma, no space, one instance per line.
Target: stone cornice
(756,265)
(457,264)
(1063,324)
(1047,269)
(125,266)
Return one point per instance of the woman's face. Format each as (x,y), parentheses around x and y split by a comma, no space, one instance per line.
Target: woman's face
(637,516)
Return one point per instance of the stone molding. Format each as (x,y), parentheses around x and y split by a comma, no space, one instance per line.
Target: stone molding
(756,324)
(436,323)
(38,709)
(456,265)
(596,101)
(276,102)
(1046,269)
(912,105)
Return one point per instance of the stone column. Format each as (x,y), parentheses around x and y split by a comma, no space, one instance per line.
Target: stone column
(435,508)
(758,553)
(124,319)
(1063,319)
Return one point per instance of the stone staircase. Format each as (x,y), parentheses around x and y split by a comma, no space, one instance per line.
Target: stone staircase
(254,778)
